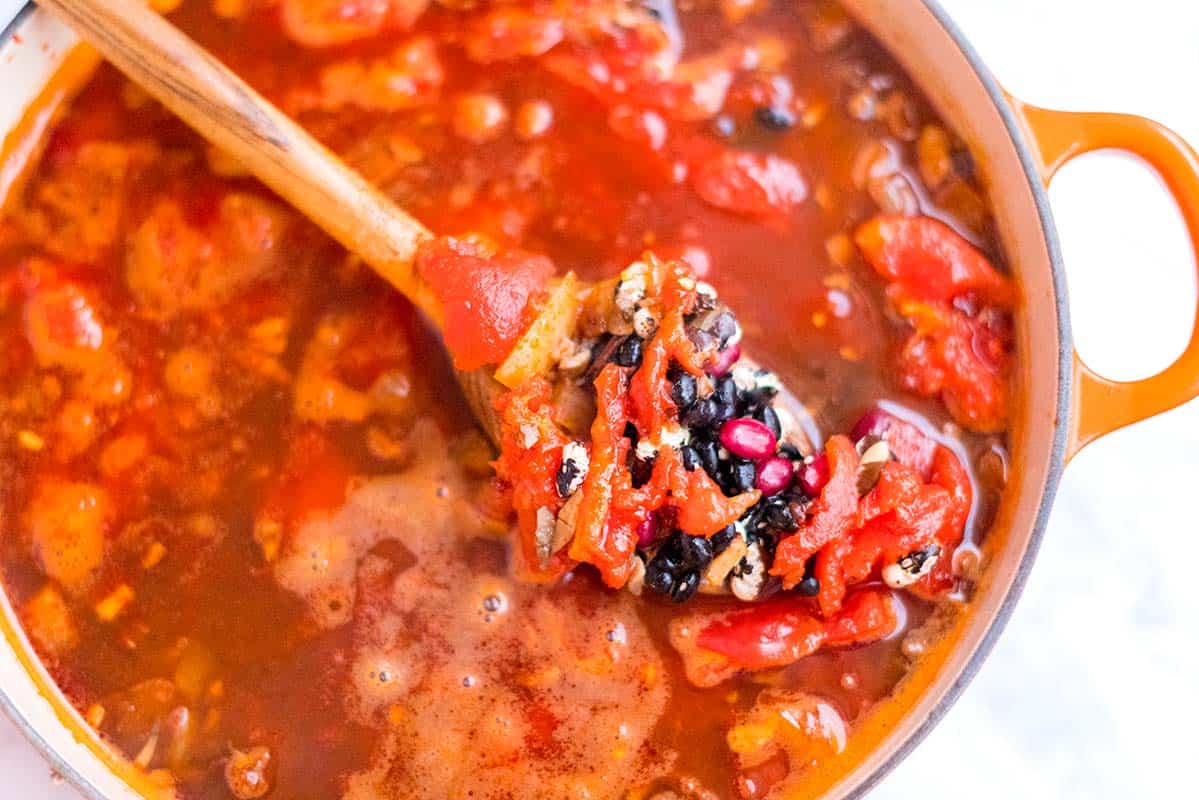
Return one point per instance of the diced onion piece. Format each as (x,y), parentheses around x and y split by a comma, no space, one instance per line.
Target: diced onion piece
(114,603)
(534,350)
(49,621)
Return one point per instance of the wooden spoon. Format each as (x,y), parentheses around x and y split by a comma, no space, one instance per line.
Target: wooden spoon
(223,109)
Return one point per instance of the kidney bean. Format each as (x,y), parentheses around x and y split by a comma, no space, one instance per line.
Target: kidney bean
(725,359)
(814,475)
(748,438)
(647,531)
(775,475)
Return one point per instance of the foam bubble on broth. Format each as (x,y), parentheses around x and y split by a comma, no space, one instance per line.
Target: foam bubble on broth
(421,508)
(482,686)
(543,703)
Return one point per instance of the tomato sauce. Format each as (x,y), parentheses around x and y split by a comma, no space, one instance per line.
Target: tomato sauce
(254,532)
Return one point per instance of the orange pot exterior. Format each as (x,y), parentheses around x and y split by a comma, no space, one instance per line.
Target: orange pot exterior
(1100,405)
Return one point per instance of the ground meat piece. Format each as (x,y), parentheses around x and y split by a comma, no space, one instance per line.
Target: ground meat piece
(77,212)
(61,320)
(779,737)
(507,33)
(325,23)
(174,265)
(410,75)
(49,622)
(68,523)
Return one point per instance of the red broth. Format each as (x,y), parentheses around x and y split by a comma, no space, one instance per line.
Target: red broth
(248,521)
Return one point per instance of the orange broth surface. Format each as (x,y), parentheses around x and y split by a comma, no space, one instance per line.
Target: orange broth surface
(246,515)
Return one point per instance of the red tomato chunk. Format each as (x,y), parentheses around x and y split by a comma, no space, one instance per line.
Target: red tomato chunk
(963,358)
(715,646)
(484,294)
(928,261)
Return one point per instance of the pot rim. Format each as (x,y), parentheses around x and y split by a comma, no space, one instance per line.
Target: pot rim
(10,30)
(1057,453)
(1060,443)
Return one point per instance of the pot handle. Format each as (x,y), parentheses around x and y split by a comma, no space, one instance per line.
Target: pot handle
(1101,406)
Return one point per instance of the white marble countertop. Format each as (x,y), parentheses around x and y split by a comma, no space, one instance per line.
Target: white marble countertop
(1092,691)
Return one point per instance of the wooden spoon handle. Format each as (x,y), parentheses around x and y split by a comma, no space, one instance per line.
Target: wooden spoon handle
(225,110)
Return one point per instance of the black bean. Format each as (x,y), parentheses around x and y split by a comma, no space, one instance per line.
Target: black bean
(725,398)
(779,517)
(752,519)
(668,551)
(690,458)
(566,475)
(668,554)
(702,414)
(658,578)
(640,469)
(683,392)
(757,399)
(724,327)
(726,391)
(764,391)
(770,418)
(794,497)
(696,551)
(630,433)
(702,340)
(797,506)
(914,561)
(788,450)
(723,538)
(629,352)
(747,472)
(810,585)
(685,588)
(739,476)
(767,544)
(775,119)
(709,455)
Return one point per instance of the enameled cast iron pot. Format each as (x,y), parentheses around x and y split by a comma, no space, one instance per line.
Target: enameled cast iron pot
(1063,404)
